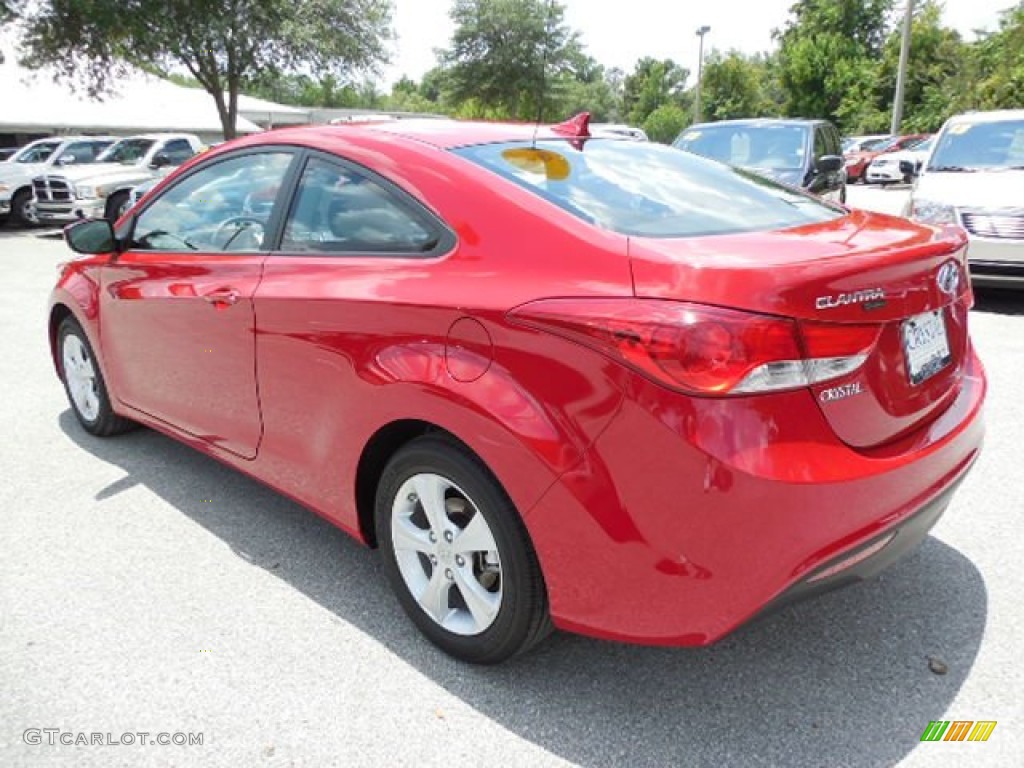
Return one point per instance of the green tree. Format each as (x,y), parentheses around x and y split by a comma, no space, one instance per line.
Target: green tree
(734,85)
(506,54)
(1000,63)
(652,84)
(224,46)
(666,122)
(827,49)
(938,58)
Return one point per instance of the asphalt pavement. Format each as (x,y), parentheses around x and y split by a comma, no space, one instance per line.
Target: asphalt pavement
(146,588)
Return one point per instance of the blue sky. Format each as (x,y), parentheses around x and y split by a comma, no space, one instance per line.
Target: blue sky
(618,32)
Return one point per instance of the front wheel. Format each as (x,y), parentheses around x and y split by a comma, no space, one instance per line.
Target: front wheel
(84,384)
(457,555)
(23,209)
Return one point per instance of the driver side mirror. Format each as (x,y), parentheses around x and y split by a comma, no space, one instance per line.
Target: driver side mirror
(91,236)
(65,160)
(829,164)
(160,160)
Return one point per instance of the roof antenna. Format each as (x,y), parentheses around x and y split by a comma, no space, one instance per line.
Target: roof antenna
(543,74)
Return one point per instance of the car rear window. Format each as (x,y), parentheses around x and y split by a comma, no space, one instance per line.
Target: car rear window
(649,190)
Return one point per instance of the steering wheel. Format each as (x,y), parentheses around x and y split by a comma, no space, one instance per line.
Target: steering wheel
(252,225)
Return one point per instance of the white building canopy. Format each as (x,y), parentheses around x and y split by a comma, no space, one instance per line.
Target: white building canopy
(38,102)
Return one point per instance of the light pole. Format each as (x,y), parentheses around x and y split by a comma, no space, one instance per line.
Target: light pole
(701,31)
(901,77)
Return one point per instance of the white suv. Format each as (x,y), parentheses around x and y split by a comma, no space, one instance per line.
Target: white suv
(16,173)
(974,178)
(104,189)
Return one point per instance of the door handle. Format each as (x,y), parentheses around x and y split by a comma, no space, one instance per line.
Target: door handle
(223,297)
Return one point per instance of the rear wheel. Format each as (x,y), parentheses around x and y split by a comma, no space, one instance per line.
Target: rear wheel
(83,382)
(457,555)
(23,209)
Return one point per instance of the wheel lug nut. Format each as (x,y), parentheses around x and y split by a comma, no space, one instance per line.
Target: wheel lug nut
(433,559)
(448,574)
(433,537)
(459,561)
(448,536)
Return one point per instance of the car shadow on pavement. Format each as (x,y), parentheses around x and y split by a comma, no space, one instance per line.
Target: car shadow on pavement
(844,679)
(1000,301)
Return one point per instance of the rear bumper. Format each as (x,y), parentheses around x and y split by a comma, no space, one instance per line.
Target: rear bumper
(688,517)
(870,558)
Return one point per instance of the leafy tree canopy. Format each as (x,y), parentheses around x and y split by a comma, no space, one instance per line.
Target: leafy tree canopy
(504,54)
(225,46)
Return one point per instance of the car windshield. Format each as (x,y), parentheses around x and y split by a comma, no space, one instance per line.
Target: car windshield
(982,145)
(36,153)
(774,146)
(128,151)
(649,190)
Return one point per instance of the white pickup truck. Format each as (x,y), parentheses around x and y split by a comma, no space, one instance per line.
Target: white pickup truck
(103,189)
(38,157)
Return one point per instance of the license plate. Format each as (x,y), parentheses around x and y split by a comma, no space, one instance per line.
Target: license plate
(925,345)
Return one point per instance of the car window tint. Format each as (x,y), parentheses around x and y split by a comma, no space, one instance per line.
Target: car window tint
(758,145)
(337,209)
(649,190)
(224,206)
(997,144)
(820,143)
(36,154)
(178,151)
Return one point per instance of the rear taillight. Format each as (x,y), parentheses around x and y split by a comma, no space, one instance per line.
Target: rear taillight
(705,350)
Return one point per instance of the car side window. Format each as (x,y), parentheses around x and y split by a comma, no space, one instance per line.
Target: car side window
(820,142)
(224,206)
(178,151)
(337,209)
(81,152)
(833,141)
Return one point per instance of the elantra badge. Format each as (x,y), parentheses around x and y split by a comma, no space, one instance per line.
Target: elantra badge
(948,278)
(843,299)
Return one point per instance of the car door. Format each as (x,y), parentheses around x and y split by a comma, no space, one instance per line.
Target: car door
(353,246)
(177,312)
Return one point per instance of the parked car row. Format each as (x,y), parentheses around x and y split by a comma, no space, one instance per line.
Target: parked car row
(862,152)
(899,166)
(65,178)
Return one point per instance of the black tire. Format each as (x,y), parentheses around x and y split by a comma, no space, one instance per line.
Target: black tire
(22,213)
(115,203)
(104,422)
(522,618)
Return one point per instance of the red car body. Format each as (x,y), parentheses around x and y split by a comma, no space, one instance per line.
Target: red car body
(657,515)
(857,162)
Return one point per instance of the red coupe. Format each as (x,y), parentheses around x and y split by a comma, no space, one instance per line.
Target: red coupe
(593,384)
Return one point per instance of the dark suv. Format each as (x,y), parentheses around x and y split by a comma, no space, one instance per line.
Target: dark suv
(803,153)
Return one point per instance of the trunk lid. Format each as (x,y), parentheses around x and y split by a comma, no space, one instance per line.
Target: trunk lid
(861,269)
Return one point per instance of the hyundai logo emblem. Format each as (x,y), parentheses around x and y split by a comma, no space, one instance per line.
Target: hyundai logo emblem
(948,277)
